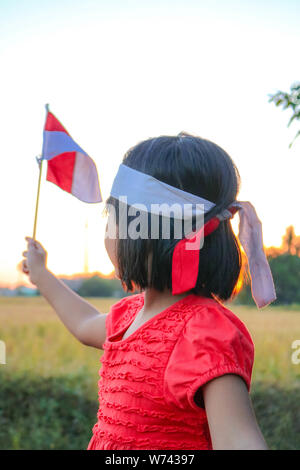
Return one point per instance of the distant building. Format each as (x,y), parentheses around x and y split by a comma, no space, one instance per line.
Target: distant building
(25,291)
(5,291)
(74,284)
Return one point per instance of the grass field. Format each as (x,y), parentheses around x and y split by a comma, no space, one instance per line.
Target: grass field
(48,387)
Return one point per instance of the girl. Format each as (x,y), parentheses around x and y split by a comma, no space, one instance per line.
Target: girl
(177,363)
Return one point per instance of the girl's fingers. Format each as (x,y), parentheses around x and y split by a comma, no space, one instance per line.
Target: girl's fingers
(32,242)
(24,267)
(35,244)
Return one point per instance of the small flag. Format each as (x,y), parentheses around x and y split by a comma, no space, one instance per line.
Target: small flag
(69,167)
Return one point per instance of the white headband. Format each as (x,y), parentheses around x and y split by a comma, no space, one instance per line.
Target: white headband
(140,188)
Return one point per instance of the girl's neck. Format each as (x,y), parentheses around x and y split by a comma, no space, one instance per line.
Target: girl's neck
(155,301)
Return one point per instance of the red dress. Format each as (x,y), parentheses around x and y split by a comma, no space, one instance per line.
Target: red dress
(148,380)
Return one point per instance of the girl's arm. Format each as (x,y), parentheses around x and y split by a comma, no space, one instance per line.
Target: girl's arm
(230,415)
(80,317)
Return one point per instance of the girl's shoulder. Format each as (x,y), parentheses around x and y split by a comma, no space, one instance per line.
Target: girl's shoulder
(212,331)
(211,316)
(122,311)
(199,320)
(213,341)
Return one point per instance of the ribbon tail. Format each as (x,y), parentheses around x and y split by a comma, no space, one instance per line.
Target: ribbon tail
(250,236)
(185,264)
(185,260)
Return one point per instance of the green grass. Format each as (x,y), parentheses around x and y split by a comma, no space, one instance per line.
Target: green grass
(48,388)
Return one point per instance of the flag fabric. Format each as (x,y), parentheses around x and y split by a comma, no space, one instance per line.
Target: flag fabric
(69,166)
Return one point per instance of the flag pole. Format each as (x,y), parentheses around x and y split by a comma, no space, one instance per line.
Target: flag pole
(37,200)
(39,185)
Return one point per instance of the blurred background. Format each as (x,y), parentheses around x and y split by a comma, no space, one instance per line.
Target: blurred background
(115,73)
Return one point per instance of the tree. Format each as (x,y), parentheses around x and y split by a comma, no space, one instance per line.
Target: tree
(291,242)
(273,251)
(289,100)
(285,266)
(286,274)
(297,246)
(98,287)
(288,239)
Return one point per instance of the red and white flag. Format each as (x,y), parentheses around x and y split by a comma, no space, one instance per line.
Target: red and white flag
(69,167)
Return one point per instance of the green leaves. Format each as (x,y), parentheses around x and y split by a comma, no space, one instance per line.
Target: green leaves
(289,100)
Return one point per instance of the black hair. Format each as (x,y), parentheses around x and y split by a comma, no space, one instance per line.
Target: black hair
(197,166)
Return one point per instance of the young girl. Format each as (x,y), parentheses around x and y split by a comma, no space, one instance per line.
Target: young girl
(177,364)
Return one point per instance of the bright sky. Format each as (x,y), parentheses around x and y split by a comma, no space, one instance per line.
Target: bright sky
(117,72)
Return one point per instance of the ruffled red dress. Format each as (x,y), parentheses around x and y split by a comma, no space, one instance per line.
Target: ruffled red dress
(149,379)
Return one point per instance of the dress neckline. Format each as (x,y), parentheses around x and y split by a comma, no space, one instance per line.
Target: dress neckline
(138,303)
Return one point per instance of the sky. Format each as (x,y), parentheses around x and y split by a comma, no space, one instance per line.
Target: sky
(118,72)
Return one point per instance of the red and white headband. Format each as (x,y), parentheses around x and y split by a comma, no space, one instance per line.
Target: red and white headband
(141,189)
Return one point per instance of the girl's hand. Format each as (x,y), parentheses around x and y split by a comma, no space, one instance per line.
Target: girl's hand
(35,260)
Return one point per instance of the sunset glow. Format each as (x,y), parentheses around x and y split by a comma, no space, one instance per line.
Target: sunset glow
(117,73)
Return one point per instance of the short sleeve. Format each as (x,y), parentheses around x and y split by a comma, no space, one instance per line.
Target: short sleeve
(213,342)
(120,312)
(114,316)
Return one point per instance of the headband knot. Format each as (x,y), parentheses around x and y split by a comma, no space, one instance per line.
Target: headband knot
(225,214)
